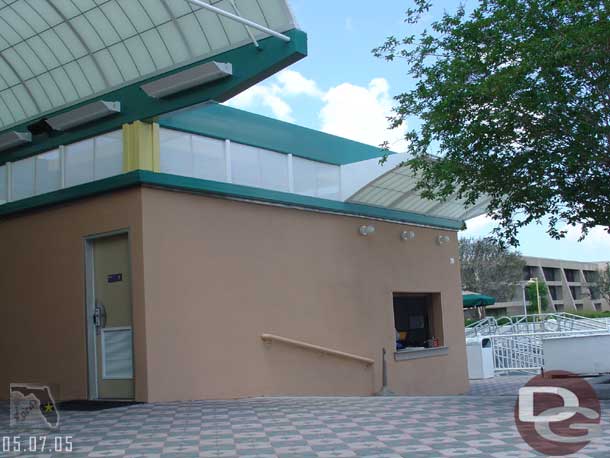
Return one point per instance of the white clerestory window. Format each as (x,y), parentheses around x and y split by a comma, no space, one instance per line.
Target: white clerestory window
(207,158)
(71,165)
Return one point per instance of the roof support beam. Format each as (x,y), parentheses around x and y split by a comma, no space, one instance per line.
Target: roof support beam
(240,19)
(248,31)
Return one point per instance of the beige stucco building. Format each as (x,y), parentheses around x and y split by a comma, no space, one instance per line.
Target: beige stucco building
(159,246)
(209,276)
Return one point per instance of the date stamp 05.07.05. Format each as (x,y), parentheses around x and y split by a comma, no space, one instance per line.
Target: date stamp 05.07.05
(34,422)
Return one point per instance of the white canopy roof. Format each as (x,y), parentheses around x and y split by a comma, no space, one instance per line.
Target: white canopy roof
(395,190)
(55,53)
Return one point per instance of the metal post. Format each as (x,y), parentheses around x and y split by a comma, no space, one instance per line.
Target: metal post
(384,374)
(248,31)
(384,391)
(538,298)
(524,303)
(9,181)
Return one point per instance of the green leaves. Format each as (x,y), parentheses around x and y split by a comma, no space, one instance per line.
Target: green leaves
(489,268)
(533,294)
(517,96)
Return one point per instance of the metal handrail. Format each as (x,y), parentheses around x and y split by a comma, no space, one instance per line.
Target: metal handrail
(548,334)
(534,323)
(325,350)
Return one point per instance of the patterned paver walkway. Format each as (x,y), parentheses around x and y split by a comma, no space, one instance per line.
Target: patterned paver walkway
(504,385)
(398,427)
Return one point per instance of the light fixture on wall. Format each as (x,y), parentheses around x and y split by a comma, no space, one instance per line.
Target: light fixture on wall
(442,239)
(84,114)
(407,235)
(187,79)
(366,229)
(14,138)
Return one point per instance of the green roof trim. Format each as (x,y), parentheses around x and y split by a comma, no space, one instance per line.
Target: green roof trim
(223,122)
(250,65)
(207,187)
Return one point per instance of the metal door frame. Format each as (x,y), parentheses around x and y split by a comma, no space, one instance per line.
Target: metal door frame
(91,344)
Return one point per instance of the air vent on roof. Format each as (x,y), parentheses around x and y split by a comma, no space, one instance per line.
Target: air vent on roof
(187,79)
(13,138)
(83,115)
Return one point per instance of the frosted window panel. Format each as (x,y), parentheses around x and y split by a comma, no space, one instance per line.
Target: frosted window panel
(245,167)
(305,176)
(48,172)
(3,185)
(117,353)
(79,163)
(328,181)
(108,155)
(176,154)
(274,170)
(22,178)
(209,158)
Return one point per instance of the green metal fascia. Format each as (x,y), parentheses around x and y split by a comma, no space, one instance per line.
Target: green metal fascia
(199,186)
(250,65)
(219,121)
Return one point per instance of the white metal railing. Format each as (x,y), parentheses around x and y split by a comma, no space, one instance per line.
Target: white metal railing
(524,352)
(517,341)
(545,322)
(517,353)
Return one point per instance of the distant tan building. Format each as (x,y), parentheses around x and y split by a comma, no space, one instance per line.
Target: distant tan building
(571,286)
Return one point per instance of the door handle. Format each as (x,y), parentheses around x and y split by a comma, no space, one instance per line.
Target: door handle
(99,316)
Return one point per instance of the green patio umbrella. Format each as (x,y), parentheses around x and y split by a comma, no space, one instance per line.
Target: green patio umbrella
(470,299)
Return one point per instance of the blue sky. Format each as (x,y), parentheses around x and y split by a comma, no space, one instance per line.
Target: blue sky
(341,88)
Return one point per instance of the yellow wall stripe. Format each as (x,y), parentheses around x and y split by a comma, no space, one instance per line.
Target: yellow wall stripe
(141,146)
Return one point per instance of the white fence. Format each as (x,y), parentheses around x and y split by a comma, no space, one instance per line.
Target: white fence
(517,340)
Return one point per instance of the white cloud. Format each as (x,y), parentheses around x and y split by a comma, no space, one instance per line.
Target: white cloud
(360,113)
(597,239)
(536,242)
(267,98)
(287,83)
(291,83)
(356,112)
(480,226)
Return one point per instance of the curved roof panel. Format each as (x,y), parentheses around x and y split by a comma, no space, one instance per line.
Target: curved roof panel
(56,53)
(396,190)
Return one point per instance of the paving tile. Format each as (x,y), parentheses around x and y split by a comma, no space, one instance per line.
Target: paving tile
(480,424)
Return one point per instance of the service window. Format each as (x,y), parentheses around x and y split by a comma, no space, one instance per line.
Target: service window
(418,320)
